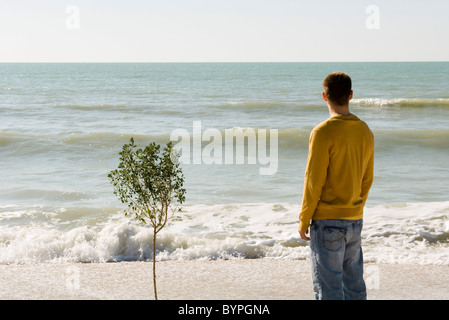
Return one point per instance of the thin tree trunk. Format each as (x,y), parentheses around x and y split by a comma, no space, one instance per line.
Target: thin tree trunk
(154,263)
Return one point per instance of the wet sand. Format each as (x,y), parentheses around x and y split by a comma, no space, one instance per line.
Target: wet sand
(257,279)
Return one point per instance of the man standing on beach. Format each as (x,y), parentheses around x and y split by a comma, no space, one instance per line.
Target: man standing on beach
(338,177)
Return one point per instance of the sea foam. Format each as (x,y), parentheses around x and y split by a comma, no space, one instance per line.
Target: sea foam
(415,233)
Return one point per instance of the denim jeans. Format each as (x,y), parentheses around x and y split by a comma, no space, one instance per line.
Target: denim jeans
(337,259)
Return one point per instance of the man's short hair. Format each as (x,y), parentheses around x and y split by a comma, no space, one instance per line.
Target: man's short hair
(337,87)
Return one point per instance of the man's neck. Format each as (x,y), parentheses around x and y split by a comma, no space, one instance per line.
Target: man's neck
(338,111)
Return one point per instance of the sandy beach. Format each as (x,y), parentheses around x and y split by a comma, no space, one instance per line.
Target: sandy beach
(256,279)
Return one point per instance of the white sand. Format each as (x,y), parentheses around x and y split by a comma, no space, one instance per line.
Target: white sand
(197,280)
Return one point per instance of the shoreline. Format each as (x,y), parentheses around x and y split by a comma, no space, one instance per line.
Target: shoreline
(236,279)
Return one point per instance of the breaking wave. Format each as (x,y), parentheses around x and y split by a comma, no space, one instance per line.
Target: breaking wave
(400,233)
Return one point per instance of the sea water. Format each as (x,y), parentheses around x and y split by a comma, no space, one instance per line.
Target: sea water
(62,126)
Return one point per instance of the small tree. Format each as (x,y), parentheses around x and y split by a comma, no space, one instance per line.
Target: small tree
(151,184)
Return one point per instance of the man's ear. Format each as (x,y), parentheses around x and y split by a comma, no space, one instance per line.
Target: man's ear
(351,95)
(324,96)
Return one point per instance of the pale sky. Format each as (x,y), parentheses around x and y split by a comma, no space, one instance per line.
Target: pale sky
(223,30)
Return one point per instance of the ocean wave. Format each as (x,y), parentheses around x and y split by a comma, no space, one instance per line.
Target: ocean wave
(117,238)
(266,105)
(292,137)
(411,137)
(408,233)
(47,195)
(289,138)
(106,107)
(258,104)
(401,102)
(111,138)
(27,144)
(401,233)
(146,109)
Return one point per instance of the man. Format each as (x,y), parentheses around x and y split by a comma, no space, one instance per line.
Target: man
(338,177)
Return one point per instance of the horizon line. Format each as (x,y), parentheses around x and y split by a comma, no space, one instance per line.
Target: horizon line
(374,61)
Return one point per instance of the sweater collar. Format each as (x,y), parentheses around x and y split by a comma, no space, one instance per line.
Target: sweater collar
(350,116)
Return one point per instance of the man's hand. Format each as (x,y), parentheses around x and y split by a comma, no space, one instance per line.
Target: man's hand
(303,235)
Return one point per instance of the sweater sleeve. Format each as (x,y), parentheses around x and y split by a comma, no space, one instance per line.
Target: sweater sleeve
(368,176)
(315,176)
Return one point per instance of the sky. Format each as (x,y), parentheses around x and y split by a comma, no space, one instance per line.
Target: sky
(223,30)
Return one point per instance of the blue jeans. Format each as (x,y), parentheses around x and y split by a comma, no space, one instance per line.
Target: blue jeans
(337,259)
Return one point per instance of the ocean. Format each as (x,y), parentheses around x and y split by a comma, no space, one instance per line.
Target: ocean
(63,124)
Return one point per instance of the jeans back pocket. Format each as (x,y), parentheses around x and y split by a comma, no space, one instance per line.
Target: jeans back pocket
(333,238)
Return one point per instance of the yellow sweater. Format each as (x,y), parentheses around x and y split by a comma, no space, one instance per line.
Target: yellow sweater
(339,170)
